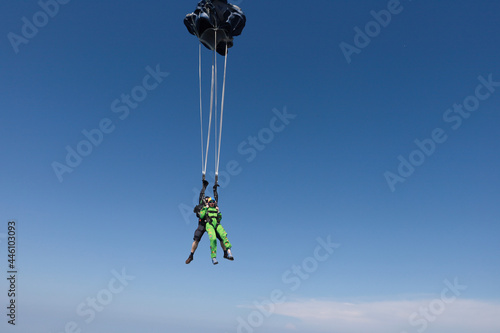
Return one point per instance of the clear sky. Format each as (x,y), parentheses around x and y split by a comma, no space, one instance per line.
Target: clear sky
(359,168)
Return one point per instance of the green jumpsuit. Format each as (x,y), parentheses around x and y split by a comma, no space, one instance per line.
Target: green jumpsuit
(213,218)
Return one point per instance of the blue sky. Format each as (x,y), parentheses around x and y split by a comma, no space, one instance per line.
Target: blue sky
(369,202)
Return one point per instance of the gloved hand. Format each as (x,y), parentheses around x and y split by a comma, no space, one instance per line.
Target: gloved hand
(215,186)
(205,183)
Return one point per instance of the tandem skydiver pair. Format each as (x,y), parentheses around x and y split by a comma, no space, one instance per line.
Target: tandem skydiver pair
(209,217)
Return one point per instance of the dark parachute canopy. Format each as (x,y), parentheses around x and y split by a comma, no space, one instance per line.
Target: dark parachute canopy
(215,23)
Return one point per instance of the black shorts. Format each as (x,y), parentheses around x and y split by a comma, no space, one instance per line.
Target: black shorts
(198,233)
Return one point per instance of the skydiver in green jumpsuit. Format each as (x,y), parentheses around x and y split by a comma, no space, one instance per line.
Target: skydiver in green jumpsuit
(202,223)
(213,227)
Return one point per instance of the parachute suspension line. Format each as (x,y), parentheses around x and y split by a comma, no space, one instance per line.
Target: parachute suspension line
(216,106)
(221,114)
(209,119)
(203,169)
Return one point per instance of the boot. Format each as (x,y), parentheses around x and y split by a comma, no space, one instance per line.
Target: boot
(228,255)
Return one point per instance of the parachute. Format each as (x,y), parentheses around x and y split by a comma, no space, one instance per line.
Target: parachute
(215,23)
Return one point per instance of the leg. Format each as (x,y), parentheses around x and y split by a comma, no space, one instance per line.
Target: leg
(221,242)
(213,240)
(227,245)
(198,233)
(194,246)
(223,235)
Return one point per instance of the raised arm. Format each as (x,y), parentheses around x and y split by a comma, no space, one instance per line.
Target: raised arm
(201,200)
(216,195)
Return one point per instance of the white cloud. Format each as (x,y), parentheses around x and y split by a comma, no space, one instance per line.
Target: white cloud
(424,315)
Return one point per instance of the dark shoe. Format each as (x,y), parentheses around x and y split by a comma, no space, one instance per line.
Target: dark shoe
(188,260)
(228,255)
